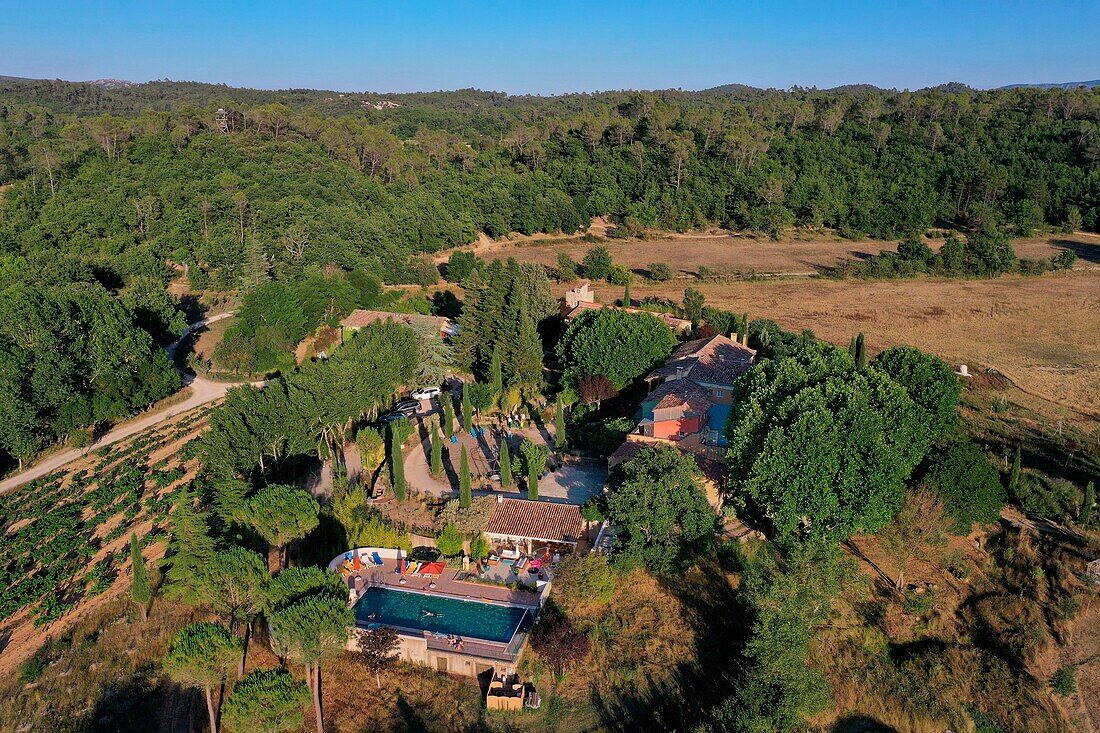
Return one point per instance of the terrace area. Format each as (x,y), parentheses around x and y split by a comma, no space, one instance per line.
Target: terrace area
(430,578)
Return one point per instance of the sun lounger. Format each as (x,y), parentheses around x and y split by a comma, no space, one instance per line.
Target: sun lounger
(376,558)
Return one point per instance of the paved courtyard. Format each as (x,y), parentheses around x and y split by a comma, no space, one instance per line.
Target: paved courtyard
(569,484)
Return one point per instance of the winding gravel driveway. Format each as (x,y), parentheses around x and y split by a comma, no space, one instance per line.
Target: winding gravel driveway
(202,392)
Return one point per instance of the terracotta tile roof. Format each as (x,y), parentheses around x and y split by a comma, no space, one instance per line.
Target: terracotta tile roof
(676,324)
(363,318)
(714,360)
(536,520)
(680,393)
(581,307)
(712,470)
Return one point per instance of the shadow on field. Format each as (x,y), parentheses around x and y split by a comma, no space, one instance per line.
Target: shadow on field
(682,700)
(1083,250)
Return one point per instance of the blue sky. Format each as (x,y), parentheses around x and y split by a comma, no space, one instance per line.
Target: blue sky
(551,47)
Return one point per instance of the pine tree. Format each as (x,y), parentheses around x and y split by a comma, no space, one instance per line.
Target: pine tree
(437,451)
(525,365)
(861,352)
(1085,517)
(467,408)
(1014,474)
(397,467)
(141,590)
(505,465)
(448,414)
(495,374)
(560,438)
(465,493)
(189,550)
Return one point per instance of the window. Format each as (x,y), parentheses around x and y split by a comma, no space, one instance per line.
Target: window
(719,393)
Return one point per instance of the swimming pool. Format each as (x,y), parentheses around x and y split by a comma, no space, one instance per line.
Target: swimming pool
(439,614)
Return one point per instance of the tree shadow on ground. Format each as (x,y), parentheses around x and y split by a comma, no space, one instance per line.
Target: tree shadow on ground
(680,700)
(145,703)
(1083,250)
(861,724)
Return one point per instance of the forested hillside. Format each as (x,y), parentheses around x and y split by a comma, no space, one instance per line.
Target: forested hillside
(106,194)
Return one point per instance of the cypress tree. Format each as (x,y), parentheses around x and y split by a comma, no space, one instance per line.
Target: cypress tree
(626,294)
(560,437)
(852,348)
(448,414)
(532,482)
(861,352)
(467,408)
(397,468)
(505,465)
(437,452)
(495,374)
(1014,474)
(1086,506)
(743,331)
(141,590)
(465,493)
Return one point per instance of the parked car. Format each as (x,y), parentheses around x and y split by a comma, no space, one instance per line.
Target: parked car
(426,393)
(406,406)
(391,417)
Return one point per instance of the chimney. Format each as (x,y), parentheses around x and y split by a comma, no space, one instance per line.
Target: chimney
(679,372)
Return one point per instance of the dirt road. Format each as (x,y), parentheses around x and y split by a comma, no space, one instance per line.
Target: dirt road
(202,391)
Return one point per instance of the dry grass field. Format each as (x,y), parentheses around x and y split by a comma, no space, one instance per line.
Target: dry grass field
(1041,332)
(728,253)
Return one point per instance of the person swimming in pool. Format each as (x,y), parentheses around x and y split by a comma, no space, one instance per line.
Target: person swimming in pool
(429,614)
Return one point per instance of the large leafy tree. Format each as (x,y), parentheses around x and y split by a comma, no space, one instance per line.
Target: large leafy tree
(266,701)
(788,594)
(281,514)
(615,344)
(928,380)
(658,507)
(820,446)
(201,655)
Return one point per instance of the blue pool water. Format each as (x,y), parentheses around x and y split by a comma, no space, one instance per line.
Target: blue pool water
(451,615)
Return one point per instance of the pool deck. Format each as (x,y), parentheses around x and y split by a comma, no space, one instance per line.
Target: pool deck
(386,575)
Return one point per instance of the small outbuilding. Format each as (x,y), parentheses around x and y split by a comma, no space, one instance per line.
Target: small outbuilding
(522,524)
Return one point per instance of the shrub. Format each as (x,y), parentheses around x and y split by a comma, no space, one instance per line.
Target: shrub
(1064,681)
(449,541)
(659,272)
(967,483)
(588,579)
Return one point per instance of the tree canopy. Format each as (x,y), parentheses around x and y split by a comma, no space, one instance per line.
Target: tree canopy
(659,509)
(821,446)
(615,344)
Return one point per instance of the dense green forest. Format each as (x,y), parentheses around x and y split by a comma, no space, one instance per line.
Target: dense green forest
(107,194)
